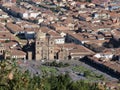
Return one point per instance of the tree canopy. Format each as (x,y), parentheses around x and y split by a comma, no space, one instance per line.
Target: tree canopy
(11,78)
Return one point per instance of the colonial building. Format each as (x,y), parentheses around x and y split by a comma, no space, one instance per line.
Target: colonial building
(44,46)
(15,54)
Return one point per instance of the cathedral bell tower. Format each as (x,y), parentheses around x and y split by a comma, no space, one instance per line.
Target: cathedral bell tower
(39,42)
(44,46)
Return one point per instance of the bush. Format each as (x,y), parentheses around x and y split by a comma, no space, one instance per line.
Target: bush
(6,41)
(55,64)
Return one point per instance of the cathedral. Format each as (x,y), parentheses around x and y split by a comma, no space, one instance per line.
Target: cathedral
(44,46)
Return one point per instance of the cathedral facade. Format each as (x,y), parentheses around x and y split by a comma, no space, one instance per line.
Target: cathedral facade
(44,46)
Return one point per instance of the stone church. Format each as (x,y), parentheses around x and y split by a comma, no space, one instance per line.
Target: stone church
(44,46)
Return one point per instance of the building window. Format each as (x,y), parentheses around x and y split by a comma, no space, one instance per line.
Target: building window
(51,42)
(51,52)
(37,42)
(37,51)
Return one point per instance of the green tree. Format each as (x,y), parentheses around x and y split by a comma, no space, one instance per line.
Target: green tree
(11,78)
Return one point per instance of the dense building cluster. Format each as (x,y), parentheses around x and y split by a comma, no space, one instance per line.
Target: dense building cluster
(61,29)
